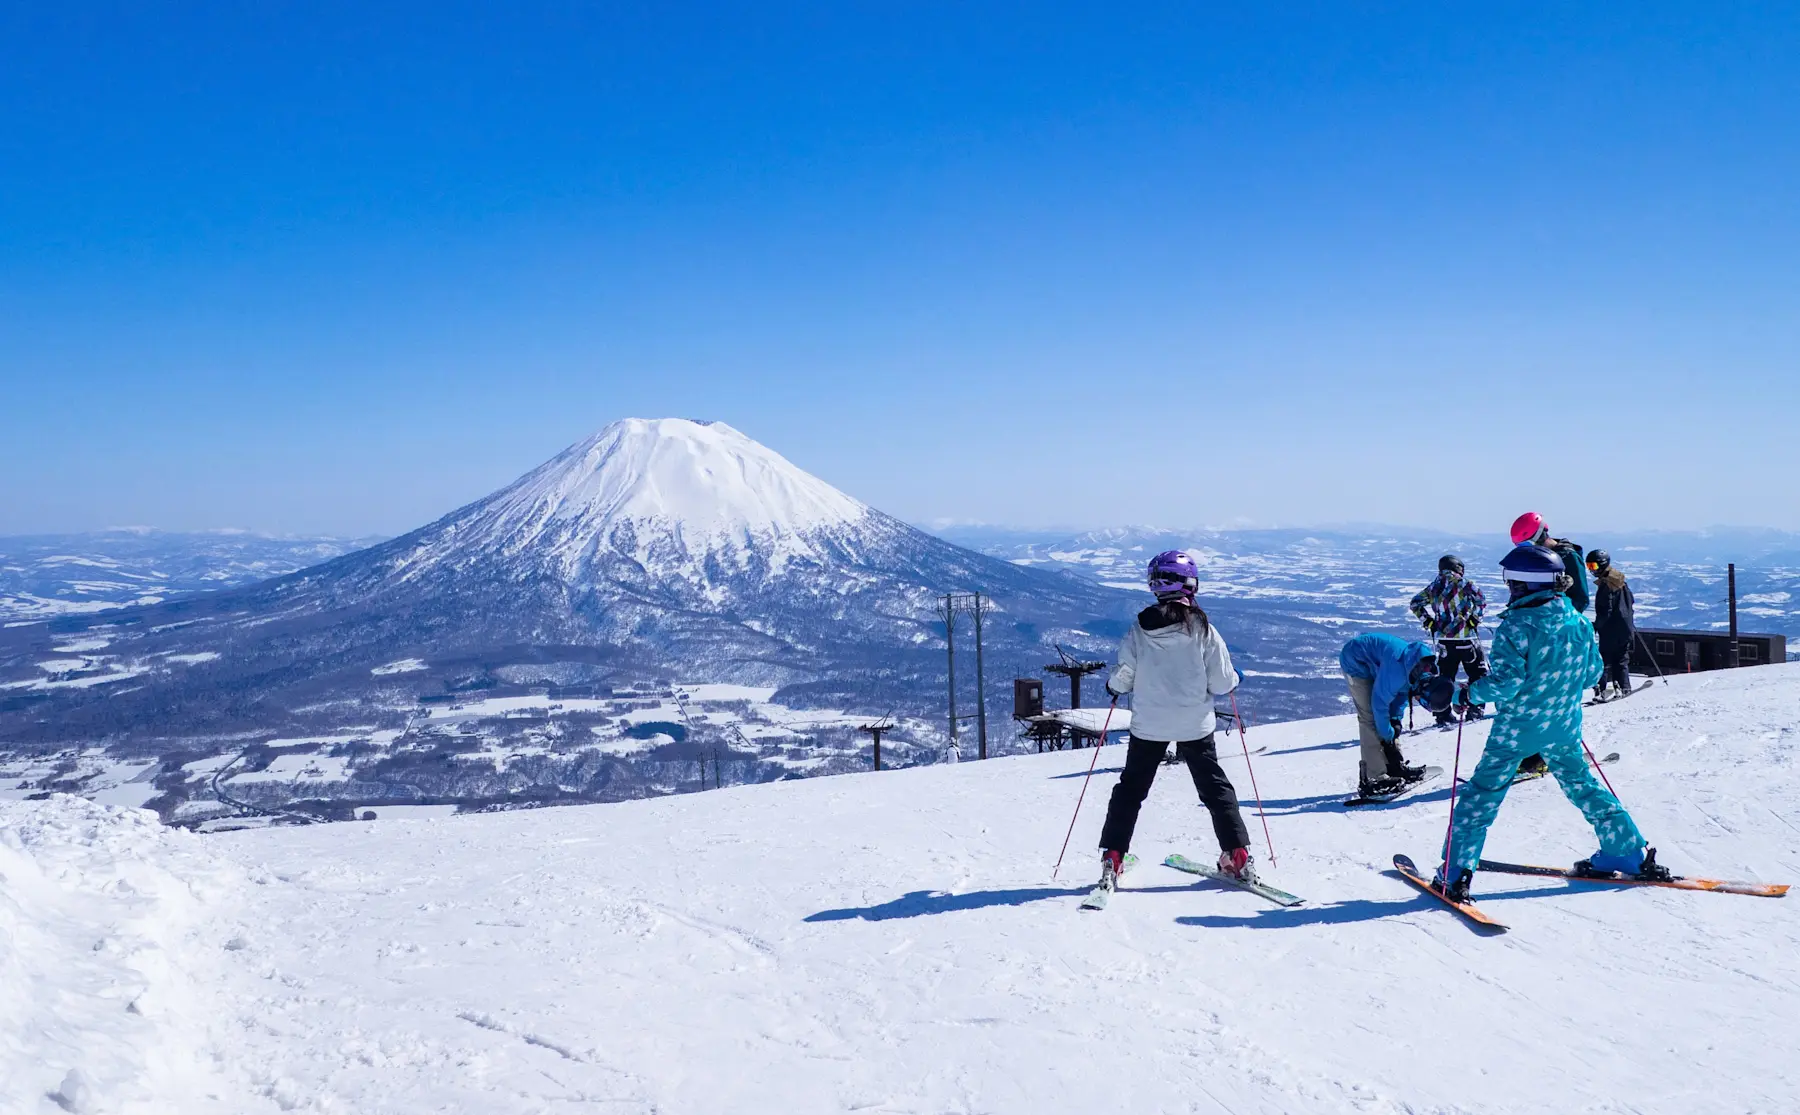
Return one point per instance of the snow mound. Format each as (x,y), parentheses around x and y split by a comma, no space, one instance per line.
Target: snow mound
(107,997)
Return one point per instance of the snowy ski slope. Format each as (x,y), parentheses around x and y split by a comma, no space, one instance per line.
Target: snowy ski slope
(893,942)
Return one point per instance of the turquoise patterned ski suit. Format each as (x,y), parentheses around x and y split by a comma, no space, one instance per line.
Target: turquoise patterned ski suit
(1544,657)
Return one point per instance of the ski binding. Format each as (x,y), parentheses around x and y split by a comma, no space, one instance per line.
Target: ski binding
(1254,886)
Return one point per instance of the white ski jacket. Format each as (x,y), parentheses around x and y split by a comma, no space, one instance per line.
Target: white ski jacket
(1175,673)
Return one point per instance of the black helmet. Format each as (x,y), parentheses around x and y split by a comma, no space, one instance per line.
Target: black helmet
(1450,563)
(1598,560)
(1438,694)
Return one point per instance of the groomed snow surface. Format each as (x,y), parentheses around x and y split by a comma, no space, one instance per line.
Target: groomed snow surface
(893,942)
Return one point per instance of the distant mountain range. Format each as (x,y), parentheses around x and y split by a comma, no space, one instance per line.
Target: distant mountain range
(1362,577)
(48,575)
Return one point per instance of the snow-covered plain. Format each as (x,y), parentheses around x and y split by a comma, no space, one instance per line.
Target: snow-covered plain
(894,942)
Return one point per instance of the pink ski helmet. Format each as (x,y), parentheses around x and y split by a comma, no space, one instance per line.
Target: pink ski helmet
(1527,527)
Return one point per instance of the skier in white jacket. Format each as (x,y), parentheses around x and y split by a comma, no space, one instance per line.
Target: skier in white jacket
(1175,662)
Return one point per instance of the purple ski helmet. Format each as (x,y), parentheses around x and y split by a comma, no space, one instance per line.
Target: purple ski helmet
(1173,576)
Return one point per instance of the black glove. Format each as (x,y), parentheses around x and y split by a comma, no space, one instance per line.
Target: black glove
(1462,695)
(1397,727)
(1113,693)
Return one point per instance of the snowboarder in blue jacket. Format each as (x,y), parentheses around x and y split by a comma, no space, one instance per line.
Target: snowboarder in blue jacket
(1384,672)
(1544,658)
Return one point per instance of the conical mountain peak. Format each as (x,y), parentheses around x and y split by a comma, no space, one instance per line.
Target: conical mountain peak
(675,486)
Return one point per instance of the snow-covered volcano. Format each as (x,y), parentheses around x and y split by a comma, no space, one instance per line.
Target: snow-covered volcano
(677,497)
(655,530)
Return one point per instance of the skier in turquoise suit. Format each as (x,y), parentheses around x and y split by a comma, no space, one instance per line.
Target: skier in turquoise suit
(1544,658)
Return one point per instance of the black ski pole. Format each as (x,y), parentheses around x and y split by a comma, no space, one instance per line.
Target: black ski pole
(1650,656)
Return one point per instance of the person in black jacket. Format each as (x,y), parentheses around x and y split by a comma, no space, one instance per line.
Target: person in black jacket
(1614,623)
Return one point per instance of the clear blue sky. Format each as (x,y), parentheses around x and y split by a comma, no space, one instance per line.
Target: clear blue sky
(301,267)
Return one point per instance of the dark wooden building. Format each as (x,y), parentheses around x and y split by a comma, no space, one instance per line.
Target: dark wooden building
(1681,652)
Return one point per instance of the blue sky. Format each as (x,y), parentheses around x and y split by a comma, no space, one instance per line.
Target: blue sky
(314,268)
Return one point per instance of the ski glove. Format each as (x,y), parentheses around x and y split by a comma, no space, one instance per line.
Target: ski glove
(1462,696)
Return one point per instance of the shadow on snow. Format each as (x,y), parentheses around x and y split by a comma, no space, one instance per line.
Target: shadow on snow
(920,903)
(1338,746)
(1084,774)
(1337,913)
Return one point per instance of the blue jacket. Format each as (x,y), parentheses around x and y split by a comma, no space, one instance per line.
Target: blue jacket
(1388,661)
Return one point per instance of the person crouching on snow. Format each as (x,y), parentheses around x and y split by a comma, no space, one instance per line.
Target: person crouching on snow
(1543,659)
(1384,672)
(1175,662)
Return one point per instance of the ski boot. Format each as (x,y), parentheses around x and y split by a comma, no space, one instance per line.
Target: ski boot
(1111,865)
(1397,764)
(1237,863)
(1457,890)
(1533,764)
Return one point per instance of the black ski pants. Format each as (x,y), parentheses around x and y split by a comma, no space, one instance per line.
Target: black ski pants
(1142,757)
(1466,653)
(1615,655)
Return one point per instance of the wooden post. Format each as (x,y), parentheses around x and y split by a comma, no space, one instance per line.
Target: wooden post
(1731,648)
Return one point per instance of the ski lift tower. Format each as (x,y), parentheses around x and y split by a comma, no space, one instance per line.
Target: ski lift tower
(977,606)
(875,730)
(1074,669)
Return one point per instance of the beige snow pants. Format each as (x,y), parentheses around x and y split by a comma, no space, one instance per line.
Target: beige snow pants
(1362,694)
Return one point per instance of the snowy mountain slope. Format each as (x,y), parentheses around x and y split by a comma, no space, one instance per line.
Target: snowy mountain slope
(894,942)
